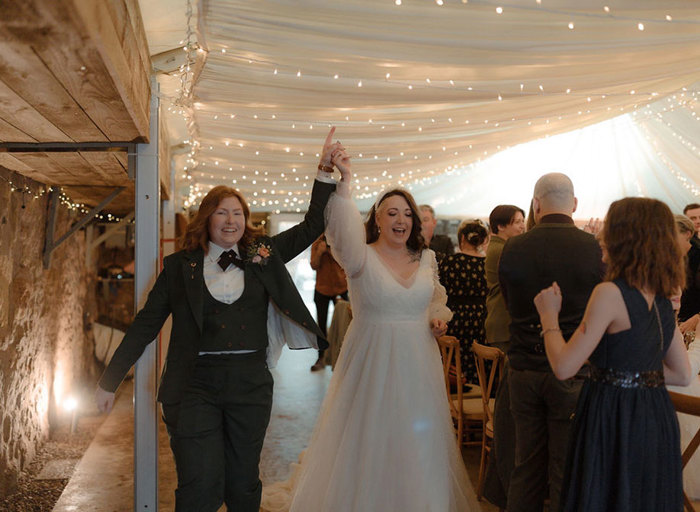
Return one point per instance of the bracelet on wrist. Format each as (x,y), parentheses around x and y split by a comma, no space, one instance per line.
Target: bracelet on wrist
(325,168)
(551,329)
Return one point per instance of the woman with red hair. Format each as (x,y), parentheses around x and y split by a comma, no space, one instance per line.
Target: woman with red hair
(233,305)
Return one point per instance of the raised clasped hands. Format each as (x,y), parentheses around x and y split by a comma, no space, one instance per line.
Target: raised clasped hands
(334,154)
(438,327)
(548,301)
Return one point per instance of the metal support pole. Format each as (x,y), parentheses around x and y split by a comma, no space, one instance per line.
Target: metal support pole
(147,259)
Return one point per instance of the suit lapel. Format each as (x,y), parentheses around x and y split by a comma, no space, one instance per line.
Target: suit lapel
(193,274)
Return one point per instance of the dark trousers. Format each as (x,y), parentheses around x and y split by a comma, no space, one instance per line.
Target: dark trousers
(542,407)
(322,302)
(217,432)
(502,459)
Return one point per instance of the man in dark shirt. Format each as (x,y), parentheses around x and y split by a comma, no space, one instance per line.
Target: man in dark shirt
(542,406)
(689,313)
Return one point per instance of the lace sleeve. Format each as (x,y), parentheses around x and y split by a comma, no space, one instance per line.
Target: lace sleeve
(438,305)
(345,231)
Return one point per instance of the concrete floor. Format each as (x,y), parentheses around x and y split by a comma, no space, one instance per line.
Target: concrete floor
(103,481)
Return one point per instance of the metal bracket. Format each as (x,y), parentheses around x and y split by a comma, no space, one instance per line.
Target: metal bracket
(111,229)
(49,244)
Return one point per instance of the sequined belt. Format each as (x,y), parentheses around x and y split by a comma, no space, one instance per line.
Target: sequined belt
(627,379)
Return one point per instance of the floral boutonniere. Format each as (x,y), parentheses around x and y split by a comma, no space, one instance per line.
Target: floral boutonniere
(259,253)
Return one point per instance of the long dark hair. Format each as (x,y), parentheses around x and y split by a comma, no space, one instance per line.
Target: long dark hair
(640,238)
(197,232)
(415,242)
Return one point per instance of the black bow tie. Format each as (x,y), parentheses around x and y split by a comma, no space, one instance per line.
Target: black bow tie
(228,257)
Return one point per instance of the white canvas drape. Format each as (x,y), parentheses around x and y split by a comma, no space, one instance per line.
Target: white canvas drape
(441,87)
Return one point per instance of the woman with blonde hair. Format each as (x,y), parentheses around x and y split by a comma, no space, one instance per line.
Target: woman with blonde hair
(624,453)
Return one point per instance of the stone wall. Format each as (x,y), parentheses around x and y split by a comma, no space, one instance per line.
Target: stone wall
(45,352)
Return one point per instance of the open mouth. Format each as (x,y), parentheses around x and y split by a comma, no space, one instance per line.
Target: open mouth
(399,231)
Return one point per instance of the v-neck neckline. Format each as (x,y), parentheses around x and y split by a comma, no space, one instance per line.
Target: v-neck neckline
(409,281)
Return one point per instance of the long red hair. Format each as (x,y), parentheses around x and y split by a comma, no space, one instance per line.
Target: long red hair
(197,232)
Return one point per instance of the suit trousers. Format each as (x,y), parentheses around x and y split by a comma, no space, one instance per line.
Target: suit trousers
(217,432)
(542,407)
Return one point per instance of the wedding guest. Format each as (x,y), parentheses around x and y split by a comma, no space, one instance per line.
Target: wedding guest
(541,406)
(624,453)
(464,279)
(689,312)
(225,291)
(685,231)
(331,285)
(440,244)
(692,211)
(506,222)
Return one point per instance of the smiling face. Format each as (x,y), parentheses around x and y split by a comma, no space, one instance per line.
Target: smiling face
(227,223)
(395,220)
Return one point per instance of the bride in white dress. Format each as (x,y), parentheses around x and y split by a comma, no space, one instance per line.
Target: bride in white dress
(384,439)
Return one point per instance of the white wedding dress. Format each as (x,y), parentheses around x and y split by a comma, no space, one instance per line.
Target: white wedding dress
(384,440)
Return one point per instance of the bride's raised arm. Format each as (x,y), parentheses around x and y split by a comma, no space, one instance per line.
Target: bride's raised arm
(345,231)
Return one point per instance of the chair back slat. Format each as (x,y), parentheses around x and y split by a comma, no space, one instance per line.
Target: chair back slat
(483,353)
(687,404)
(451,356)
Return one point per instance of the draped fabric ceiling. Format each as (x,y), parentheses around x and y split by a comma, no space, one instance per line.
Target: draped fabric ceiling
(420,91)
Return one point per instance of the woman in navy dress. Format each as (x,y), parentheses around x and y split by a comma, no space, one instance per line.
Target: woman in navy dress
(624,453)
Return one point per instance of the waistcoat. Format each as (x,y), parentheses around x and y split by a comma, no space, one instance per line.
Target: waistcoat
(241,325)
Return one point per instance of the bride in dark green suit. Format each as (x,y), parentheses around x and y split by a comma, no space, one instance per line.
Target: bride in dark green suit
(233,305)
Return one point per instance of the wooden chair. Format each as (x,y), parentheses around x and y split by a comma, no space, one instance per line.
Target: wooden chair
(488,383)
(687,404)
(465,407)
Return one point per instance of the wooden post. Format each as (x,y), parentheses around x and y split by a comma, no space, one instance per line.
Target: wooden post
(147,261)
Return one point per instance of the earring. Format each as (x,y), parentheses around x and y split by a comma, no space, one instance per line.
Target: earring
(379,230)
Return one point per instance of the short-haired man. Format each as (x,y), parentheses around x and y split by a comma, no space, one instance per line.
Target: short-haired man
(692,211)
(689,313)
(542,406)
(441,244)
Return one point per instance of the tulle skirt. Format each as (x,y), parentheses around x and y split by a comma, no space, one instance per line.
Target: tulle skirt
(384,439)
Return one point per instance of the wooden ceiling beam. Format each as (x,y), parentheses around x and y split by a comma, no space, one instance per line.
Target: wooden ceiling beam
(122,58)
(78,69)
(16,111)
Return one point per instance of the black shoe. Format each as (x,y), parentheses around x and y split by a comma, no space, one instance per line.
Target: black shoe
(318,365)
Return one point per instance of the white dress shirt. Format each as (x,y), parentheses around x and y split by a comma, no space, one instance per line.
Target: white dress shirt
(224,285)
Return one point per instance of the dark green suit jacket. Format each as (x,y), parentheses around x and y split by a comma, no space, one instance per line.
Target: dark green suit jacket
(179,290)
